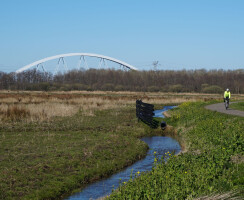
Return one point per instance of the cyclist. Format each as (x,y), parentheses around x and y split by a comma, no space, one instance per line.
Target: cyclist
(227,96)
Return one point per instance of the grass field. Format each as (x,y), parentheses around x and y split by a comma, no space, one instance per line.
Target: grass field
(237,106)
(53,144)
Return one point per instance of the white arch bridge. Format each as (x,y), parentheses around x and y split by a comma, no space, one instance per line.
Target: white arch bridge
(103,59)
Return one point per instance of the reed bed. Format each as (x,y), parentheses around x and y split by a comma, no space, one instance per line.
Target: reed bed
(43,106)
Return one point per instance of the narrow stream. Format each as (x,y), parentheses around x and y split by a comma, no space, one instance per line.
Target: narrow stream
(158,144)
(159,113)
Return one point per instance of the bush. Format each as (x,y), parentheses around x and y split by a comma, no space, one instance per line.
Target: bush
(176,88)
(204,85)
(108,87)
(153,89)
(119,88)
(212,89)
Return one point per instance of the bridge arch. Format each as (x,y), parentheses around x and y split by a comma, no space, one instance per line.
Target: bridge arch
(39,62)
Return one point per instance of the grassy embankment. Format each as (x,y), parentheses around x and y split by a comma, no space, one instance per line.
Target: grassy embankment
(237,106)
(212,164)
(43,160)
(54,143)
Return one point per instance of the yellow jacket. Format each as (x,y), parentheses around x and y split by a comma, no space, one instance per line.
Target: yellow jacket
(227,94)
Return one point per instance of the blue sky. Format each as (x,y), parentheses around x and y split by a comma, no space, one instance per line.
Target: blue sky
(188,34)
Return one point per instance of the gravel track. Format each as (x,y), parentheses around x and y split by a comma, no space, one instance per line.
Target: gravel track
(219,107)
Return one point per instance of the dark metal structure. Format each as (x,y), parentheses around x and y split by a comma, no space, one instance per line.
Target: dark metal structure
(144,112)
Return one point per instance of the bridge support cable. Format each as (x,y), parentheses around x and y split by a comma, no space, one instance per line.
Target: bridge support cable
(125,68)
(58,65)
(65,64)
(86,65)
(84,61)
(100,63)
(105,63)
(79,63)
(41,64)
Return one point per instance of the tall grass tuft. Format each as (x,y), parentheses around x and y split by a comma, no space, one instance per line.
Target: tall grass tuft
(15,113)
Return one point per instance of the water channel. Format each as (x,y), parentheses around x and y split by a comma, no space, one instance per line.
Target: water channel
(158,144)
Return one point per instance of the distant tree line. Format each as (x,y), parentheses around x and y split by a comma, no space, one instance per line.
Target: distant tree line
(211,81)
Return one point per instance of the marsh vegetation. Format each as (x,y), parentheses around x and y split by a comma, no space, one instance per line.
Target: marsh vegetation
(55,143)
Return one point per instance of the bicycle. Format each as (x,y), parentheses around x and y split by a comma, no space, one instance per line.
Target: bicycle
(227,102)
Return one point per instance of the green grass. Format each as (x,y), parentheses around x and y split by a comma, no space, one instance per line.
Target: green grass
(237,106)
(213,163)
(51,159)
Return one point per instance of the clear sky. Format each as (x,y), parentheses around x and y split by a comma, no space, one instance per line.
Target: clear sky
(188,34)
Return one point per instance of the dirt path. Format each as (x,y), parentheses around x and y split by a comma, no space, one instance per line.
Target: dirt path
(219,107)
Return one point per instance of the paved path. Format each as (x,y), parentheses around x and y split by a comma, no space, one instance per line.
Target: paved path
(219,107)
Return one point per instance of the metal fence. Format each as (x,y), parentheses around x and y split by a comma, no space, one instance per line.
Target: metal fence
(144,112)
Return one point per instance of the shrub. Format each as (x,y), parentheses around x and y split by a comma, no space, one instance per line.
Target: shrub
(119,88)
(108,87)
(212,89)
(176,88)
(153,89)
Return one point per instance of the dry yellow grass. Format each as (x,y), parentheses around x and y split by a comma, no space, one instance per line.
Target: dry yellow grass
(40,112)
(46,105)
